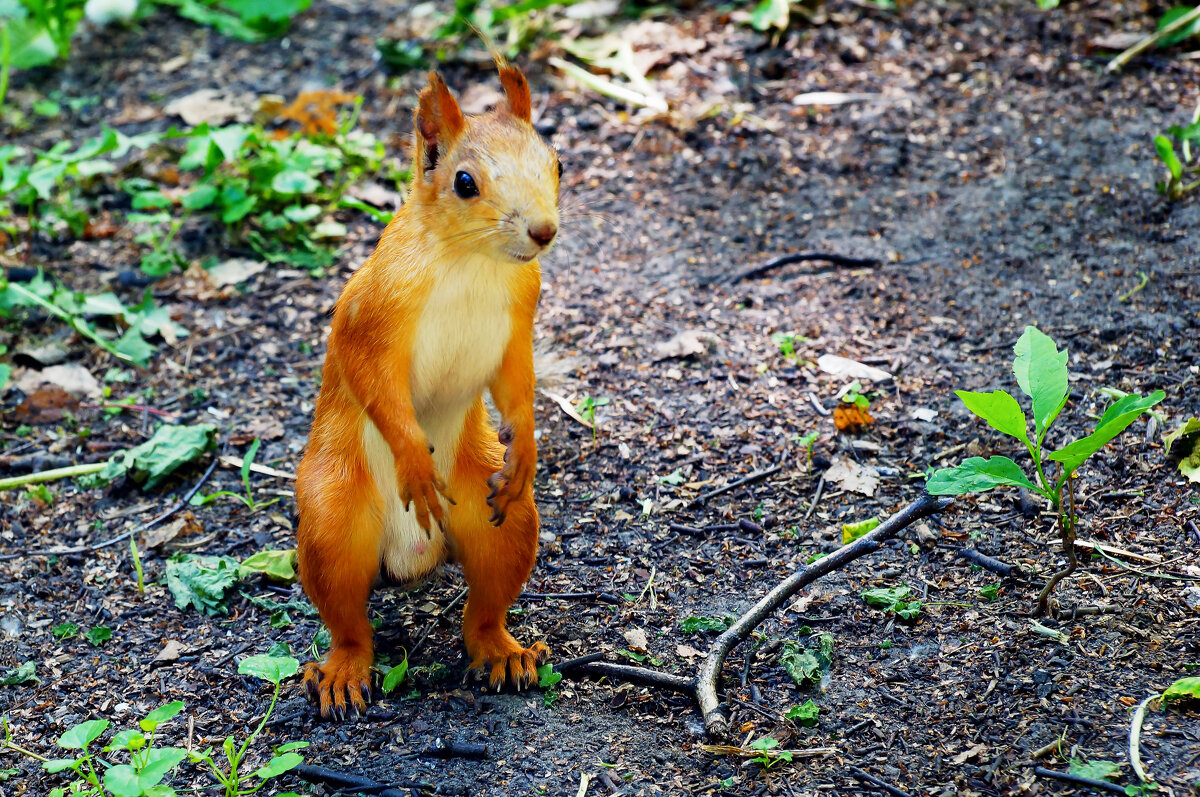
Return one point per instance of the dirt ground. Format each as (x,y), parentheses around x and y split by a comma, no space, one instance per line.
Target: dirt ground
(1000,176)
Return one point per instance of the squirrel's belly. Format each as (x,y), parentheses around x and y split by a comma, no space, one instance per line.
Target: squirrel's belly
(406,551)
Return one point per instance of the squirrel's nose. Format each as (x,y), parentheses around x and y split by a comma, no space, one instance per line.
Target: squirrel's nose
(542,234)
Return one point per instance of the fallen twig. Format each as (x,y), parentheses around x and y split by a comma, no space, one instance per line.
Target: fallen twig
(453,749)
(343,780)
(703,687)
(603,597)
(1079,780)
(13,482)
(1125,57)
(757,476)
(229,461)
(149,524)
(1135,738)
(799,257)
(991,564)
(876,782)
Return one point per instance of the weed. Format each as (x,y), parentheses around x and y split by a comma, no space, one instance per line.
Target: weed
(395,676)
(137,564)
(1041,373)
(767,756)
(894,599)
(248,499)
(244,20)
(587,410)
(804,714)
(64,630)
(1183,166)
(548,680)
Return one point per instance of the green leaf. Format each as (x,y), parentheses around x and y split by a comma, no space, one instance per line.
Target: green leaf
(56,765)
(83,734)
(990,592)
(1183,445)
(691,625)
(98,635)
(802,665)
(1096,770)
(132,344)
(23,674)
(395,676)
(161,715)
(1186,32)
(171,447)
(764,743)
(1000,410)
(805,714)
(65,630)
(1041,371)
(1114,421)
(30,44)
(547,677)
(275,565)
(1185,689)
(886,597)
(201,581)
(269,668)
(278,765)
(1166,153)
(127,739)
(293,181)
(301,214)
(770,14)
(852,531)
(200,197)
(976,475)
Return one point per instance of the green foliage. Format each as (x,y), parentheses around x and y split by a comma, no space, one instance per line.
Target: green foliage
(852,531)
(395,676)
(548,680)
(1170,17)
(691,625)
(1096,770)
(1182,165)
(201,582)
(768,756)
(855,396)
(150,463)
(806,665)
(24,674)
(805,714)
(98,635)
(244,20)
(275,565)
(1185,689)
(64,630)
(894,599)
(1183,444)
(250,503)
(587,410)
(990,592)
(37,32)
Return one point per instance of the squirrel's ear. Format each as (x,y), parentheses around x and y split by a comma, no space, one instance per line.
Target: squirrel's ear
(516,89)
(439,120)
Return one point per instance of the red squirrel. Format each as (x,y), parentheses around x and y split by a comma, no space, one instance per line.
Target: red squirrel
(404,469)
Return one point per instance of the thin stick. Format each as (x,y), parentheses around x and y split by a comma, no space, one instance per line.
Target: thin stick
(876,782)
(343,780)
(988,563)
(1135,738)
(1154,38)
(13,482)
(124,535)
(742,482)
(1079,780)
(638,675)
(837,260)
(706,693)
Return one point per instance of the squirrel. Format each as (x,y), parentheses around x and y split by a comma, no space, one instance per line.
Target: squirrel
(441,310)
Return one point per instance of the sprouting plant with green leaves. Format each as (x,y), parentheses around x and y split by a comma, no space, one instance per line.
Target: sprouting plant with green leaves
(894,599)
(548,680)
(805,714)
(244,20)
(768,756)
(236,782)
(35,33)
(1183,165)
(786,343)
(587,410)
(1041,372)
(248,499)
(854,395)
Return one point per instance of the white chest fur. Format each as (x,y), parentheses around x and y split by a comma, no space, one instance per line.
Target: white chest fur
(459,345)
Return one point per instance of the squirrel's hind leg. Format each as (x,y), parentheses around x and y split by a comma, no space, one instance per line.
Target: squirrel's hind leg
(496,561)
(337,541)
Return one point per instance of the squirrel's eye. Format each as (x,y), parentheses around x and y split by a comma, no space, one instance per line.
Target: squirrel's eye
(464,185)
(560,169)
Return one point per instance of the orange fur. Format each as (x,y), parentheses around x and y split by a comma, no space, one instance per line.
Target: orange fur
(403,467)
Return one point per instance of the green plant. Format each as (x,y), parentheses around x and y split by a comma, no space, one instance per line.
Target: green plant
(1041,372)
(990,592)
(235,782)
(787,344)
(767,755)
(248,499)
(35,33)
(244,20)
(137,564)
(691,625)
(806,665)
(1181,166)
(586,408)
(98,635)
(894,599)
(64,630)
(548,680)
(855,396)
(804,714)
(395,676)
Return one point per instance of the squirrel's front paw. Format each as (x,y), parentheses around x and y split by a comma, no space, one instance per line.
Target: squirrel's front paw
(344,675)
(511,480)
(419,487)
(508,660)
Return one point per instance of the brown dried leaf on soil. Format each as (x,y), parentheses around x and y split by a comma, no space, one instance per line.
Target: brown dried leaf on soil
(316,111)
(850,418)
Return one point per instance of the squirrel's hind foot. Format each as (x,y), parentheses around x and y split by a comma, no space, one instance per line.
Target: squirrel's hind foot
(510,662)
(340,685)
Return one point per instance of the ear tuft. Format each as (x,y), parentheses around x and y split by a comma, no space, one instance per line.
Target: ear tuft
(516,89)
(439,120)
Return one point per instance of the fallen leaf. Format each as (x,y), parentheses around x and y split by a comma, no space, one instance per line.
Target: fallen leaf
(687,651)
(73,379)
(1117,42)
(844,366)
(851,418)
(853,477)
(974,751)
(687,343)
(170,652)
(262,428)
(234,271)
(208,105)
(637,641)
(132,113)
(924,414)
(316,111)
(159,536)
(45,406)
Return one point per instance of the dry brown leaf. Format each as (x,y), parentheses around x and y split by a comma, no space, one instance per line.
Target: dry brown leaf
(851,418)
(637,641)
(852,477)
(260,428)
(208,105)
(316,111)
(170,652)
(74,379)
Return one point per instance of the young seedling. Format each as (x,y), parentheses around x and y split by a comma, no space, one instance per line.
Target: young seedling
(587,410)
(1041,372)
(767,757)
(248,499)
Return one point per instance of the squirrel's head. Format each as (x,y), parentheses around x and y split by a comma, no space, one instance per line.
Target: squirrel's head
(491,180)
